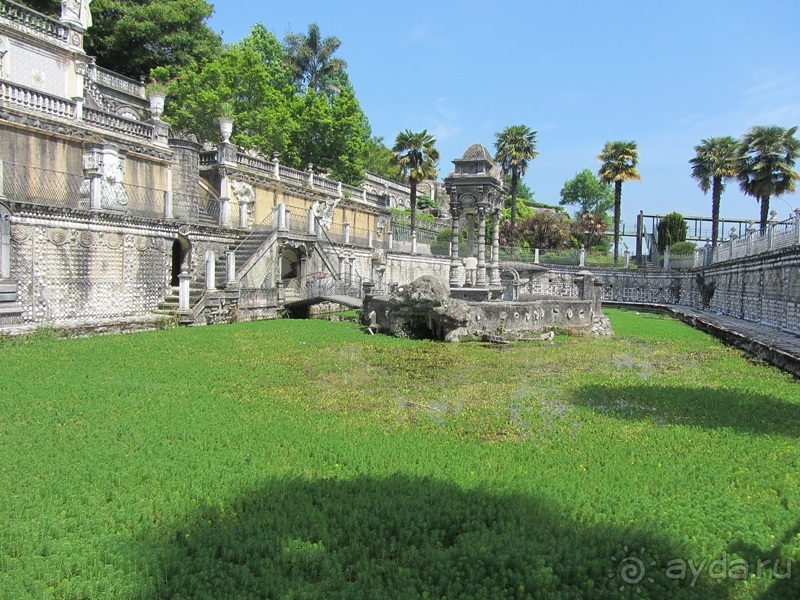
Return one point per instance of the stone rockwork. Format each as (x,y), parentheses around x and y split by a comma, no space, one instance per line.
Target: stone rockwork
(424,309)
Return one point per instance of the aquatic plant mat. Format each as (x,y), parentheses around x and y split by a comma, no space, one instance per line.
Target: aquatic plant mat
(305,459)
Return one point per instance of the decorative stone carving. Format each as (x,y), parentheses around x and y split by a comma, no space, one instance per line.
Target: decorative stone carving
(86,239)
(77,12)
(20,233)
(324,211)
(104,170)
(244,192)
(59,236)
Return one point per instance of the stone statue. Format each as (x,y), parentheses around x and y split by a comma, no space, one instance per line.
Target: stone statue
(77,11)
(324,212)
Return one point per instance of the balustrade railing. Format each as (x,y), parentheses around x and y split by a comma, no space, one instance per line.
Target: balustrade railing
(254,162)
(116,81)
(118,124)
(208,158)
(30,99)
(777,235)
(30,19)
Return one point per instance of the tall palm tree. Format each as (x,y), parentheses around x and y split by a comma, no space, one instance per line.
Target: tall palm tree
(417,157)
(619,160)
(310,58)
(715,161)
(766,157)
(515,146)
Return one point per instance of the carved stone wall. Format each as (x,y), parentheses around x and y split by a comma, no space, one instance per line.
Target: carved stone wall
(764,288)
(76,270)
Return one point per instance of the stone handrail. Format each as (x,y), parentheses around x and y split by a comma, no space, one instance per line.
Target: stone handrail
(118,124)
(326,184)
(30,20)
(117,82)
(35,100)
(254,162)
(208,158)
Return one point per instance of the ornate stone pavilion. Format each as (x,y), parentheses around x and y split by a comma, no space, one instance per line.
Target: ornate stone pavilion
(476,195)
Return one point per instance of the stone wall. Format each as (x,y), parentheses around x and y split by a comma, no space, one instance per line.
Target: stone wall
(763,288)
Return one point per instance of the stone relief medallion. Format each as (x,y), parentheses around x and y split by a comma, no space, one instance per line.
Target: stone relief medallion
(113,240)
(20,233)
(59,236)
(86,239)
(141,243)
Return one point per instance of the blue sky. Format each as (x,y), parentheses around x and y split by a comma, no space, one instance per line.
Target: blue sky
(665,73)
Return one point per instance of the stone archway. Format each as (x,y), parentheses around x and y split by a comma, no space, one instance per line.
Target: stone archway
(290,262)
(180,255)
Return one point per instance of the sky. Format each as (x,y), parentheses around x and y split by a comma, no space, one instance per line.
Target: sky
(663,73)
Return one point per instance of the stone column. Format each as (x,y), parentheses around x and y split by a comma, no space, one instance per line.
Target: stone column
(454,261)
(346,233)
(224,199)
(211,283)
(282,217)
(495,266)
(168,209)
(225,211)
(351,270)
(796,225)
(243,207)
(230,264)
(390,240)
(480,275)
(414,242)
(341,267)
(470,225)
(183,291)
(369,238)
(276,166)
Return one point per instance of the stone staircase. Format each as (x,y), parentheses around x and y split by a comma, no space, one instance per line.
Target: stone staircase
(169,305)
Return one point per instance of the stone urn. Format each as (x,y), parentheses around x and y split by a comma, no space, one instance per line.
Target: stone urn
(225,128)
(156,100)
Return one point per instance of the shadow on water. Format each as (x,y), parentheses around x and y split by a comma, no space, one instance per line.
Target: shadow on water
(702,407)
(406,537)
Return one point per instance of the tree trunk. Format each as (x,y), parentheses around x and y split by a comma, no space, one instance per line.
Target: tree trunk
(764,211)
(716,194)
(617,211)
(413,185)
(514,181)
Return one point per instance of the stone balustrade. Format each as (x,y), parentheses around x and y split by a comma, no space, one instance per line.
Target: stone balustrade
(29,99)
(32,22)
(116,82)
(118,124)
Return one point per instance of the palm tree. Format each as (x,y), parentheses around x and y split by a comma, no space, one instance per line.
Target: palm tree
(766,157)
(515,146)
(714,162)
(310,58)
(619,160)
(417,157)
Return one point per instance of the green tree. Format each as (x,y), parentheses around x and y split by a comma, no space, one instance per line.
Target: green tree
(588,193)
(417,157)
(379,160)
(671,229)
(619,160)
(715,161)
(765,159)
(131,37)
(263,109)
(515,147)
(310,58)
